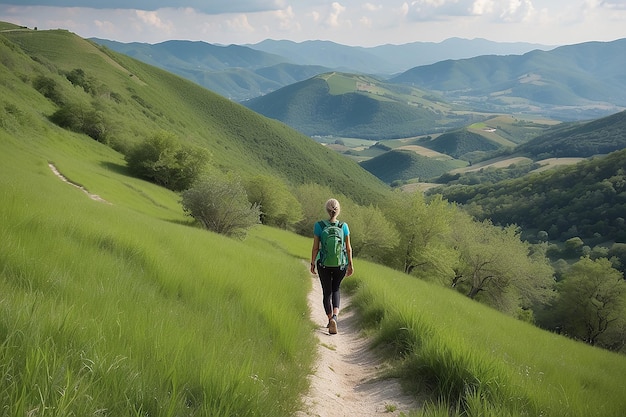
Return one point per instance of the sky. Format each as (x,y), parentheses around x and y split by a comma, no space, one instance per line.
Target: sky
(348,22)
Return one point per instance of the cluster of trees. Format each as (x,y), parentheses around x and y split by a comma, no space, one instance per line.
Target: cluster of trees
(164,160)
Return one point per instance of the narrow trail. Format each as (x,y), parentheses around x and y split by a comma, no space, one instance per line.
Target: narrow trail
(346,380)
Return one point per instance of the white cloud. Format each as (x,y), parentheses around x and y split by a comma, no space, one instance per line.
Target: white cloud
(365,21)
(372,7)
(333,19)
(481,7)
(287,19)
(153,19)
(239,23)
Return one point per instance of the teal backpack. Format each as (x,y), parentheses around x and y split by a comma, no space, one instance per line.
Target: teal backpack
(332,245)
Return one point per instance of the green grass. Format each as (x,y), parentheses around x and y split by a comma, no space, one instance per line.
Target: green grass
(486,363)
(125,309)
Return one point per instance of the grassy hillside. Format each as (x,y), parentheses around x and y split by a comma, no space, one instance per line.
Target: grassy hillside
(358,106)
(120,307)
(135,100)
(461,144)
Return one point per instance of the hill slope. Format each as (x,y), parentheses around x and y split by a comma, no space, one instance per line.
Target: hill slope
(407,165)
(350,105)
(599,136)
(134,100)
(572,82)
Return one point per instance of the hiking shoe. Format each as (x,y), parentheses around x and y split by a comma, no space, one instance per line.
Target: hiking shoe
(332,326)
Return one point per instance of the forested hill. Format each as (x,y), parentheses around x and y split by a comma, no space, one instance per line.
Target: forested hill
(587,200)
(120,101)
(600,136)
(351,105)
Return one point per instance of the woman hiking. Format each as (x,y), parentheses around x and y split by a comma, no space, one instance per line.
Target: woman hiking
(332,255)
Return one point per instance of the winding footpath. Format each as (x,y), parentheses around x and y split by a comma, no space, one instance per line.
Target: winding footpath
(346,380)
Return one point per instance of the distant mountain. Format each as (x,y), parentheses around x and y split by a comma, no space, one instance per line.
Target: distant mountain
(349,105)
(233,71)
(389,59)
(570,82)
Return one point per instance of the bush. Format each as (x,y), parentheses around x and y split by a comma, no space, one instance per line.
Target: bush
(163,160)
(220,203)
(82,119)
(279,207)
(48,88)
(78,77)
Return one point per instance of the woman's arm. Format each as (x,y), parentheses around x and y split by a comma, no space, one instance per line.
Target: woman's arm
(314,251)
(349,253)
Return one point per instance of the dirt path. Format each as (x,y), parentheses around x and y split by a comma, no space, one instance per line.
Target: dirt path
(94,197)
(346,381)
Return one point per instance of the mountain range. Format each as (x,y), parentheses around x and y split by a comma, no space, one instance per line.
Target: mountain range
(570,82)
(241,72)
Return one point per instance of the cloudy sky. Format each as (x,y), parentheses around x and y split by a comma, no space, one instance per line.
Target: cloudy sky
(350,22)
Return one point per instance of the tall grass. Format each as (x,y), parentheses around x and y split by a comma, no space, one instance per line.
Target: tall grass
(477,361)
(105,310)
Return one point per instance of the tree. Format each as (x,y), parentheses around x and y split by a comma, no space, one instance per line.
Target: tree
(312,198)
(592,300)
(373,236)
(423,226)
(278,206)
(220,204)
(163,159)
(496,267)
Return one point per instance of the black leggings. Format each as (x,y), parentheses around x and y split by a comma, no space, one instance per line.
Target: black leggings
(330,278)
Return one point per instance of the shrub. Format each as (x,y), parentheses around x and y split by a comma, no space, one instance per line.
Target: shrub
(48,88)
(82,119)
(78,77)
(279,207)
(162,159)
(220,203)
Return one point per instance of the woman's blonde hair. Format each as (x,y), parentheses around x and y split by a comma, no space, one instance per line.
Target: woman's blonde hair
(332,207)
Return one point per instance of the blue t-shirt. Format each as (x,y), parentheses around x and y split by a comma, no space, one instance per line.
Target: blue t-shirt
(317,230)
